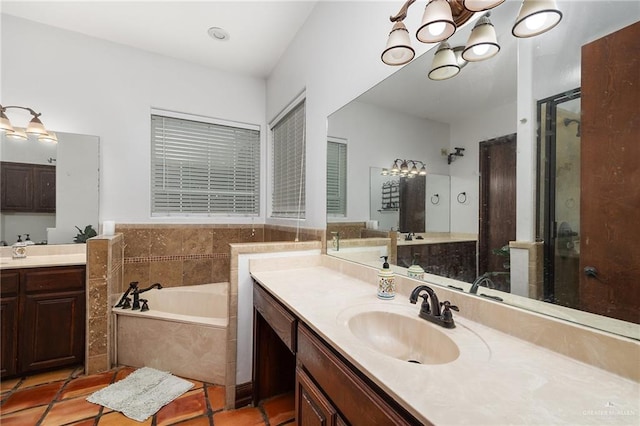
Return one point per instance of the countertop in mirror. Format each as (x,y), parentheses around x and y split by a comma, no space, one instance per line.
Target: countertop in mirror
(435,238)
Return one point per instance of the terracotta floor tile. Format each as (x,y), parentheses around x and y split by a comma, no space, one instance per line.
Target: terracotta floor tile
(123,372)
(216,397)
(87,422)
(198,421)
(116,418)
(196,383)
(32,397)
(86,385)
(191,404)
(6,385)
(245,416)
(48,377)
(280,409)
(70,410)
(24,417)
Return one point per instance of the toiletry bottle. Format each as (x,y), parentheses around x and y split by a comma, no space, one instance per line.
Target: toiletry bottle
(386,281)
(415,270)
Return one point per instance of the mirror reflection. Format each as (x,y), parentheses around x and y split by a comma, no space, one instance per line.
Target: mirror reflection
(48,188)
(410,116)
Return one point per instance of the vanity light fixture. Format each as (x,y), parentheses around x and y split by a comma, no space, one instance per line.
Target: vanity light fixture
(445,65)
(441,19)
(401,168)
(35,126)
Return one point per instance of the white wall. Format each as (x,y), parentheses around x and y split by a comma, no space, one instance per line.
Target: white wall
(89,86)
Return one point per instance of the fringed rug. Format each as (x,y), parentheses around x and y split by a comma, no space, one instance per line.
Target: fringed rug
(142,393)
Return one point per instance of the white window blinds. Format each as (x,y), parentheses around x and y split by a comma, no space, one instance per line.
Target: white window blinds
(203,168)
(336,178)
(288,199)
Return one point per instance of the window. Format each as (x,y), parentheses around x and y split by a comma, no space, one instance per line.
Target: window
(336,178)
(288,199)
(203,168)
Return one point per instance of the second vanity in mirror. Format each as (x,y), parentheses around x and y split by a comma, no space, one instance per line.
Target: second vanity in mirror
(409,116)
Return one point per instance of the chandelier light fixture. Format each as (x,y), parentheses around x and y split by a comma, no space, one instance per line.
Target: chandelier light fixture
(35,126)
(406,168)
(440,20)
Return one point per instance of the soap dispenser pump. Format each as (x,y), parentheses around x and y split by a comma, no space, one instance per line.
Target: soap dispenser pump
(386,281)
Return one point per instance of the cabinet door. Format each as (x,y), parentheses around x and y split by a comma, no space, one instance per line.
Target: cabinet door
(312,407)
(17,187)
(44,189)
(9,321)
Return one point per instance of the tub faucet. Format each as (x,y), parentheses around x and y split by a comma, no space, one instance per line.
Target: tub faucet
(430,308)
(122,303)
(136,295)
(484,278)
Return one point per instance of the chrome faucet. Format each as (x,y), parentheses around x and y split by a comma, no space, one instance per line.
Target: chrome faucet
(123,300)
(430,308)
(136,295)
(484,278)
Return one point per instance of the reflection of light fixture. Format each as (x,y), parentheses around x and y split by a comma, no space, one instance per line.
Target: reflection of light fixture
(442,17)
(536,17)
(482,43)
(35,126)
(404,170)
(444,63)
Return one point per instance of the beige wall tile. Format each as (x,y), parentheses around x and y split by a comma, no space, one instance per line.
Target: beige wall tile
(97,364)
(167,273)
(220,270)
(222,237)
(139,272)
(197,240)
(136,242)
(97,299)
(165,242)
(97,258)
(197,271)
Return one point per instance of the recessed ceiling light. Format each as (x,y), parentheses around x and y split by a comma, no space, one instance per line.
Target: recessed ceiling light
(218,33)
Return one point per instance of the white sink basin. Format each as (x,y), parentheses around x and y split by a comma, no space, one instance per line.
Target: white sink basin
(404,338)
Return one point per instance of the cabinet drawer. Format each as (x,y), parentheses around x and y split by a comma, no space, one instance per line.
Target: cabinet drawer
(280,320)
(355,399)
(54,279)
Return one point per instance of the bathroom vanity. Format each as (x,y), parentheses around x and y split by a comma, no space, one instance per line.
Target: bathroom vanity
(43,313)
(354,359)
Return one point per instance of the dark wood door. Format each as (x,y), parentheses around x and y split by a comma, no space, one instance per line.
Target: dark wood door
(412,204)
(44,189)
(9,322)
(312,407)
(497,205)
(610,176)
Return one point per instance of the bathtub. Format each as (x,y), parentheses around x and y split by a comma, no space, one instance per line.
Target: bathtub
(183,332)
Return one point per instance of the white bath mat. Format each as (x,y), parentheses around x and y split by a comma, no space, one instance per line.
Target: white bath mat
(142,393)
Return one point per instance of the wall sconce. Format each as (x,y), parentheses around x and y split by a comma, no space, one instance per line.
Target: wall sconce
(441,19)
(452,155)
(35,126)
(401,168)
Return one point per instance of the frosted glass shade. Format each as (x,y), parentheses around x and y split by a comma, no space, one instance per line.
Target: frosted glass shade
(49,137)
(5,124)
(437,22)
(36,127)
(18,134)
(398,50)
(482,43)
(444,63)
(536,17)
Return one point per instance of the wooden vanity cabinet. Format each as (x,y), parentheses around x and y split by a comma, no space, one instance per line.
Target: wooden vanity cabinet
(49,323)
(9,322)
(29,188)
(329,390)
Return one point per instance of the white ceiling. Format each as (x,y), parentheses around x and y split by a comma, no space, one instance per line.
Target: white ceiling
(260,31)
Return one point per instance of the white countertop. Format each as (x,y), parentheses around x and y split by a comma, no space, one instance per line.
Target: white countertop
(43,261)
(497,379)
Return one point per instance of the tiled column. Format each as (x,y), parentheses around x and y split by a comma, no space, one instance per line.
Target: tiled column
(104,282)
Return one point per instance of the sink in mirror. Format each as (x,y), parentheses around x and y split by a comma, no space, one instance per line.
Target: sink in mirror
(409,116)
(74,160)
(400,337)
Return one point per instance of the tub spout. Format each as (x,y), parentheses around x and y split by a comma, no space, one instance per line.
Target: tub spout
(122,303)
(136,295)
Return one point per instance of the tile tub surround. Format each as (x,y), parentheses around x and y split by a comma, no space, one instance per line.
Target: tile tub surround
(522,382)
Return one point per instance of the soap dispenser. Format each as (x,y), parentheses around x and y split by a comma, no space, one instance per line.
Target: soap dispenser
(415,270)
(386,281)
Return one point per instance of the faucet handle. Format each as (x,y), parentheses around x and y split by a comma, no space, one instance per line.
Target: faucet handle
(447,305)
(127,303)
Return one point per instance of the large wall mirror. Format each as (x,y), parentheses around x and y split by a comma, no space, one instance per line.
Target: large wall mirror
(409,116)
(73,164)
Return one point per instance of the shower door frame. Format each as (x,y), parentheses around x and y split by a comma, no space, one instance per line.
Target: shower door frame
(547,227)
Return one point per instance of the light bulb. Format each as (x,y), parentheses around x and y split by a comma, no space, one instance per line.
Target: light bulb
(536,21)
(437,28)
(480,49)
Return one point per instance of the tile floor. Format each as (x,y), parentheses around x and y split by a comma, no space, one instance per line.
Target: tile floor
(59,398)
